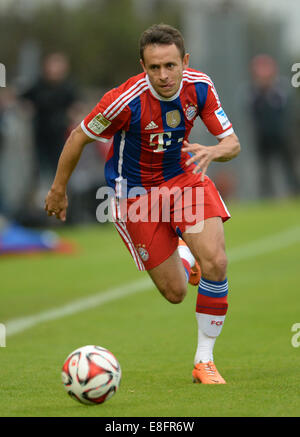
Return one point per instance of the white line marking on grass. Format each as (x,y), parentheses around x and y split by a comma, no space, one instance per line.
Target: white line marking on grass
(265,245)
(254,248)
(18,325)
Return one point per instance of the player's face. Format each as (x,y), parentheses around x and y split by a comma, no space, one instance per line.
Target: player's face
(164,66)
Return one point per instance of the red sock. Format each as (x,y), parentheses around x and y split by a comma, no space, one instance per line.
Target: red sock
(211,305)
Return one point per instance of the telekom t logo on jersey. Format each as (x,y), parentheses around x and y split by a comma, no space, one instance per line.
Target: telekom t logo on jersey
(164,140)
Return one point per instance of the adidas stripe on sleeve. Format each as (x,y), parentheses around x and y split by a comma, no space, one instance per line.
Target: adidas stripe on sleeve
(112,113)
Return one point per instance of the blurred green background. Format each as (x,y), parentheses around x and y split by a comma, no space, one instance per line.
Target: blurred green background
(249,50)
(100,41)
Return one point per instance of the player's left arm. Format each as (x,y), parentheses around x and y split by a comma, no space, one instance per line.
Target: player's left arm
(227,149)
(218,125)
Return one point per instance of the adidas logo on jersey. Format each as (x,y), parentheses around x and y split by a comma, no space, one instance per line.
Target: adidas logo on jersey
(151,125)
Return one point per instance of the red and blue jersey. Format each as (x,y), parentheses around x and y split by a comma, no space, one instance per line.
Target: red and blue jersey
(148,130)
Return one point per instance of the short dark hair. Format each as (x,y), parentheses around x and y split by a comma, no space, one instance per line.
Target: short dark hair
(161,34)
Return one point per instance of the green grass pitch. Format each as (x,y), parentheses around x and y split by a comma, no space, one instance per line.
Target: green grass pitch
(154,340)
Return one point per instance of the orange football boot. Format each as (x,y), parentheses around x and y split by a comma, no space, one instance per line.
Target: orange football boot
(206,373)
(195,271)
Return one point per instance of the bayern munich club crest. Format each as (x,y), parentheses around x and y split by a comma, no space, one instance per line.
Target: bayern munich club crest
(142,252)
(190,111)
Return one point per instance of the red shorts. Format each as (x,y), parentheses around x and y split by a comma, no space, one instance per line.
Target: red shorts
(151,224)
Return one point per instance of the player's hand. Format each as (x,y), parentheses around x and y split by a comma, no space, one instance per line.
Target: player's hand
(56,203)
(202,156)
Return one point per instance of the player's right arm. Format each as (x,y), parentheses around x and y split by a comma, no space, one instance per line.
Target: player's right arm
(110,115)
(56,202)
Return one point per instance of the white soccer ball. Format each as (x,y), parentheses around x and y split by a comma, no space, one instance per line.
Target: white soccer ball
(91,374)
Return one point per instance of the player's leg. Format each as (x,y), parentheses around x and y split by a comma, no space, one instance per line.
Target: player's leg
(170,277)
(208,247)
(153,246)
(170,272)
(190,264)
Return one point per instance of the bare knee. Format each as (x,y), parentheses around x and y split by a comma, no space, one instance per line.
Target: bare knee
(170,279)
(175,294)
(214,267)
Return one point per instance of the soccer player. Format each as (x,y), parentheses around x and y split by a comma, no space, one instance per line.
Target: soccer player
(150,117)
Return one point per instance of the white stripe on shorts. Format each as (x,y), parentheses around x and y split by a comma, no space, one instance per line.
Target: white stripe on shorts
(121,228)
